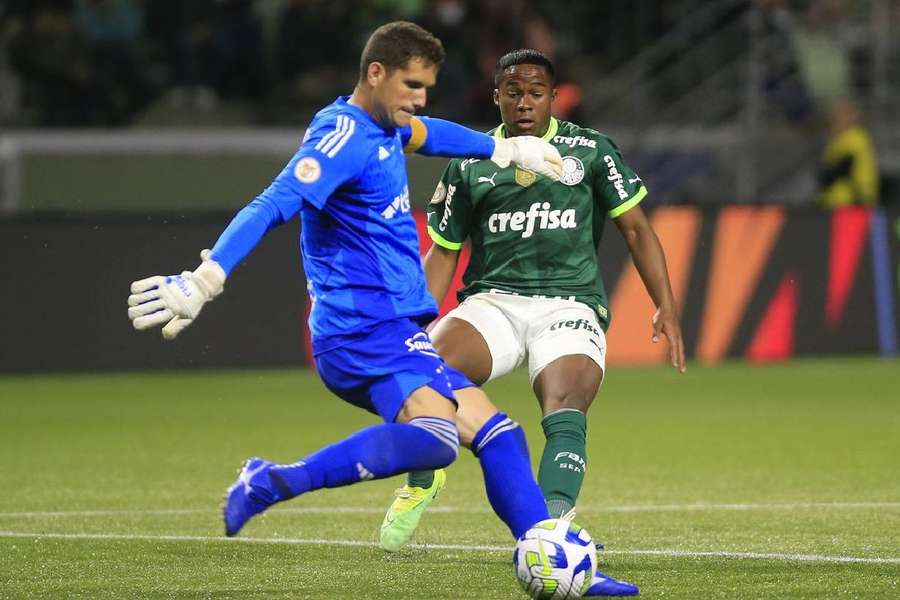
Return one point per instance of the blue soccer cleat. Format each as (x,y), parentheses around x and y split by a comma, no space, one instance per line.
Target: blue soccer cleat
(603,585)
(250,495)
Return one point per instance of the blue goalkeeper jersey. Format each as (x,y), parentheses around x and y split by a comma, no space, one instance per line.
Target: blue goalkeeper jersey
(358,239)
(359,242)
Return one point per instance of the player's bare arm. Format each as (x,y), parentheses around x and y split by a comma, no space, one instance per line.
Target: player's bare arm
(650,261)
(440,266)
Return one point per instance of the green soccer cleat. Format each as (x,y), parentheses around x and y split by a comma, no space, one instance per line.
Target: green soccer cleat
(403,516)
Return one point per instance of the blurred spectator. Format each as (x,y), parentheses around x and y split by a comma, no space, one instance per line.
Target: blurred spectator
(240,68)
(184,32)
(569,97)
(451,22)
(10,91)
(822,58)
(781,76)
(314,62)
(114,22)
(504,25)
(112,28)
(848,171)
(10,86)
(53,59)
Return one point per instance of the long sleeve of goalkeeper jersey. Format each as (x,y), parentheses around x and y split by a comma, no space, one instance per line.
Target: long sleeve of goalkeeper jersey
(245,231)
(437,137)
(311,176)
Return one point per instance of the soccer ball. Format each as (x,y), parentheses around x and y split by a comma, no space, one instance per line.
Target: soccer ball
(555,559)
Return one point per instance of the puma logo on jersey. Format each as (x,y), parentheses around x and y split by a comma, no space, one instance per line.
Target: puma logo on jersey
(635,180)
(383,152)
(398,204)
(615,177)
(538,216)
(489,180)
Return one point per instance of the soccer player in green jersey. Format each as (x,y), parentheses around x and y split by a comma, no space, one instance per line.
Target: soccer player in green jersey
(533,287)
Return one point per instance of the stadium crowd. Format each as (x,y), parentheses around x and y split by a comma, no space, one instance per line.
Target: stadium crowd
(106,62)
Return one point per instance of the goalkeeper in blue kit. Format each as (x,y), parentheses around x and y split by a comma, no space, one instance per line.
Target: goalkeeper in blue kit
(360,250)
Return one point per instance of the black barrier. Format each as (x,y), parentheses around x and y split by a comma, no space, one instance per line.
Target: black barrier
(757,283)
(65,284)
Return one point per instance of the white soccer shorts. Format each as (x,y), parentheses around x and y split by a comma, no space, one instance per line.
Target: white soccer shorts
(544,329)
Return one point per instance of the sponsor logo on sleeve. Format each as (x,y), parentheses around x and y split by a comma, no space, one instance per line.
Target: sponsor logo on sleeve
(615,177)
(448,207)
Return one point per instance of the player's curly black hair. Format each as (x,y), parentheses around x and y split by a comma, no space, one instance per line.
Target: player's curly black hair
(395,44)
(524,56)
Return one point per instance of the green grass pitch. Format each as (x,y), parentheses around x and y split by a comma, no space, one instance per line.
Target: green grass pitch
(729,482)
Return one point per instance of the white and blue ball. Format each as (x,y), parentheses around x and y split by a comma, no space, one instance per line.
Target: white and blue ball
(555,559)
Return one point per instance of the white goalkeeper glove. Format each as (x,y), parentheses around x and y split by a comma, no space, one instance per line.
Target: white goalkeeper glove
(175,300)
(530,153)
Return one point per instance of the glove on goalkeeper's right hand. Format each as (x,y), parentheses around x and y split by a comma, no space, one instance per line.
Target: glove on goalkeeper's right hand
(175,300)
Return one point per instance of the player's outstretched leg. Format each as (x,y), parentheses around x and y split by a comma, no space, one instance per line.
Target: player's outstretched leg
(511,489)
(411,500)
(373,453)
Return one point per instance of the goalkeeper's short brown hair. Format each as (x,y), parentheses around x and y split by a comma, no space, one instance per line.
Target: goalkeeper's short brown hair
(395,44)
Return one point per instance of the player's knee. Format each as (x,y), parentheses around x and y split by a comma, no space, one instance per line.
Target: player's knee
(474,410)
(576,392)
(572,399)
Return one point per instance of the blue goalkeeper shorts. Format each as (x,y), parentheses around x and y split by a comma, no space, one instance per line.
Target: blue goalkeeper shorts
(379,370)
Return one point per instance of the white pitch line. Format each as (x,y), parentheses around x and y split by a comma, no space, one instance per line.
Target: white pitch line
(461,547)
(636,508)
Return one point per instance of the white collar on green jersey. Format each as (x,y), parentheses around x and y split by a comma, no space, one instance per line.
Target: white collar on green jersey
(500,132)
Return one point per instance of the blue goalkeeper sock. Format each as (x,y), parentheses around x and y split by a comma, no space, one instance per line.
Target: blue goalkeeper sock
(373,453)
(511,489)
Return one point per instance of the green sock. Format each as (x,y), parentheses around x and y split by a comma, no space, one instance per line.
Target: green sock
(422,479)
(564,460)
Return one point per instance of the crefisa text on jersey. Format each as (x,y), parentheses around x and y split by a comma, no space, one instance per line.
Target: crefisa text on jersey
(578,140)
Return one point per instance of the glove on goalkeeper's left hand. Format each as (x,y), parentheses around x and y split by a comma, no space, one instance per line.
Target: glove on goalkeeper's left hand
(175,300)
(529,152)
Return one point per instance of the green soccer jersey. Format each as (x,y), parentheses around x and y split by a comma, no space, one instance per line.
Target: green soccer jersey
(530,235)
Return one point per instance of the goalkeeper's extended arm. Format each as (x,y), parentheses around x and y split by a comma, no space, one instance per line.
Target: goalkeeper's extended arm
(175,301)
(437,137)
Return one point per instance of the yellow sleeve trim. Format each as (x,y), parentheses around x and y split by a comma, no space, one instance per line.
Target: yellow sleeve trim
(440,241)
(629,204)
(418,137)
